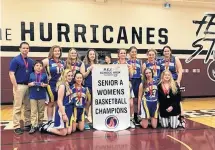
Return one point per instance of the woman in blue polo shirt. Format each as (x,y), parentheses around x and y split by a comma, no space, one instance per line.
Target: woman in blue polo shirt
(20,69)
(37,83)
(54,67)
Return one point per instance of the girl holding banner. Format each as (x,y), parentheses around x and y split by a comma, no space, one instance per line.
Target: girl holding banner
(90,59)
(54,66)
(79,97)
(73,62)
(148,99)
(64,109)
(122,60)
(136,65)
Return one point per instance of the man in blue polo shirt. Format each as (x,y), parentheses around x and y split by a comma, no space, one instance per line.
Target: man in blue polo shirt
(20,69)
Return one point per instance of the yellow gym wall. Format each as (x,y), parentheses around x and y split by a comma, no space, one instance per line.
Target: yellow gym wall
(177,20)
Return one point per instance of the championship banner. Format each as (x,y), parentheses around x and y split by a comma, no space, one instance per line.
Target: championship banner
(112,140)
(111,97)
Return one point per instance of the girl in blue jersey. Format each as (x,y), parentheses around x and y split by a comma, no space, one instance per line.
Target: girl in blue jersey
(148,99)
(122,60)
(152,63)
(54,67)
(173,64)
(136,66)
(90,59)
(37,83)
(80,96)
(73,62)
(64,109)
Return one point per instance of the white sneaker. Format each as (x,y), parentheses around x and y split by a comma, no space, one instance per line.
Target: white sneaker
(132,124)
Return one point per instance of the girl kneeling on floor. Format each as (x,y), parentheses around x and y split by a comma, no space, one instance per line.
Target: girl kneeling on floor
(64,109)
(80,96)
(148,99)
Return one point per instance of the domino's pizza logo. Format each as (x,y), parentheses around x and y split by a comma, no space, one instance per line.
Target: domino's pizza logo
(111,122)
(211,70)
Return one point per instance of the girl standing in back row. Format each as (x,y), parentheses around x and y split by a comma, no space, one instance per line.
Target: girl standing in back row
(90,59)
(136,66)
(122,60)
(73,62)
(54,66)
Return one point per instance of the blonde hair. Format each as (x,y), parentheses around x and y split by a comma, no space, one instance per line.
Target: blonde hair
(62,81)
(51,51)
(87,59)
(69,60)
(152,50)
(172,83)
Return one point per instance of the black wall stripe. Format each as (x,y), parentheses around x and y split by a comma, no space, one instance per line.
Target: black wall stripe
(109,50)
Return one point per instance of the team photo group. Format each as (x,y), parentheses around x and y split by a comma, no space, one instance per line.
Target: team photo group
(64,88)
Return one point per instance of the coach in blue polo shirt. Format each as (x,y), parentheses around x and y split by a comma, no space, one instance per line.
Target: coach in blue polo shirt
(20,69)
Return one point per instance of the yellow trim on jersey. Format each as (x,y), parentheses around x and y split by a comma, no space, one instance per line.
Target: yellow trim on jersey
(49,92)
(156,112)
(74,116)
(88,95)
(82,116)
(48,72)
(146,108)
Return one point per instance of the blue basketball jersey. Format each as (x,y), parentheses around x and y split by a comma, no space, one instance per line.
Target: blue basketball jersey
(155,67)
(136,66)
(54,71)
(151,92)
(170,65)
(79,97)
(126,62)
(67,97)
(88,79)
(75,67)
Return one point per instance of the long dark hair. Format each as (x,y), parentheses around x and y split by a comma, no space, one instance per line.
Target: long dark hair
(162,51)
(145,78)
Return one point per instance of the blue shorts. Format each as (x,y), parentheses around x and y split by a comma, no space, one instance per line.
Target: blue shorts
(135,85)
(58,122)
(52,93)
(78,114)
(91,94)
(149,109)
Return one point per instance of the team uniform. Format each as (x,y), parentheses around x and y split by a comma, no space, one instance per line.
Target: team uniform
(136,77)
(37,97)
(156,67)
(132,95)
(88,79)
(69,109)
(54,71)
(170,65)
(79,99)
(75,67)
(149,104)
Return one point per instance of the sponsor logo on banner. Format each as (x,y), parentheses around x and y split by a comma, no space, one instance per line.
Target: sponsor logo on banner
(111,122)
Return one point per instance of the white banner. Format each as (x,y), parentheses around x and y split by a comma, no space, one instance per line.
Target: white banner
(112,140)
(111,108)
